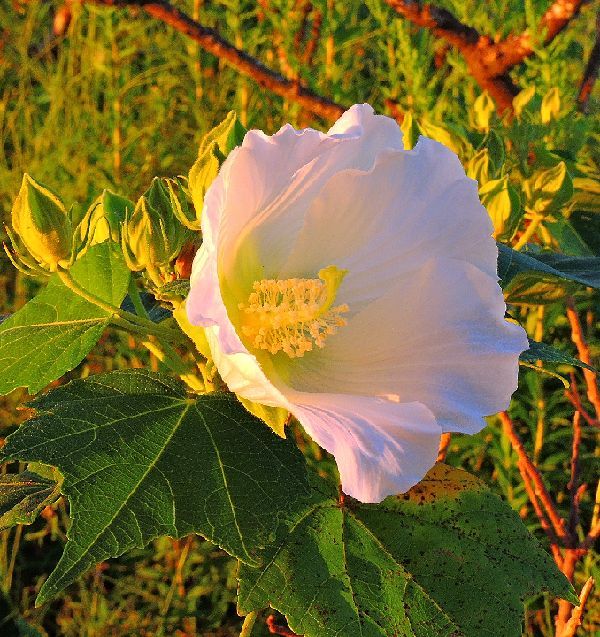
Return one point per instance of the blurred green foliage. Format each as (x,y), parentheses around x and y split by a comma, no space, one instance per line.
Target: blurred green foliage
(119,98)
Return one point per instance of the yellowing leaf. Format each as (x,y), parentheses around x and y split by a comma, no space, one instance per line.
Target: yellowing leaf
(484,107)
(478,167)
(501,201)
(550,105)
(274,417)
(521,100)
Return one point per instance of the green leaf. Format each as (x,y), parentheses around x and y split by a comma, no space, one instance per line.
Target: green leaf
(587,227)
(583,270)
(23,496)
(140,459)
(502,202)
(535,288)
(550,189)
(448,558)
(179,287)
(55,331)
(546,353)
(497,154)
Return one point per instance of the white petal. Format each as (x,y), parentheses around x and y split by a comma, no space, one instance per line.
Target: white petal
(271,181)
(410,207)
(242,373)
(376,131)
(380,447)
(437,337)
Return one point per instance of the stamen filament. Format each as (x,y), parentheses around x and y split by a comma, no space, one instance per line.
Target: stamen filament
(292,315)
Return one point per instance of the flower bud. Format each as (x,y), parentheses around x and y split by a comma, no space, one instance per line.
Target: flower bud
(152,236)
(214,148)
(103,219)
(42,225)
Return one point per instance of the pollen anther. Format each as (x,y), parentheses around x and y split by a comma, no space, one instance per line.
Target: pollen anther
(293,315)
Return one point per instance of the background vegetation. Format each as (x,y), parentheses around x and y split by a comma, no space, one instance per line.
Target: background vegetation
(94,97)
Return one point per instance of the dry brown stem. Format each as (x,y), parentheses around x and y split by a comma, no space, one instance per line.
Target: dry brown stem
(213,43)
(575,489)
(557,522)
(565,545)
(546,526)
(488,61)
(591,71)
(583,351)
(570,629)
(573,395)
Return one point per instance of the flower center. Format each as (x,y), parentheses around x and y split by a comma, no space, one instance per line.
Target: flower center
(291,315)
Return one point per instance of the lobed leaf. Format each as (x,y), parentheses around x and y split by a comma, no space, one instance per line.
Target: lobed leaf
(23,496)
(140,459)
(54,332)
(446,559)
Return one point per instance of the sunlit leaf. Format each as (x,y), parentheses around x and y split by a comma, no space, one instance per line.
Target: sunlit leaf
(54,331)
(140,459)
(446,559)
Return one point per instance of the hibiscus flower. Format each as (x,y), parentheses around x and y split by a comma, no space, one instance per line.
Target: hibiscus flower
(354,283)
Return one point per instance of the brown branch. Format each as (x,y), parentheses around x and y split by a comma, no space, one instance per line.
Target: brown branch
(546,526)
(516,48)
(557,522)
(592,536)
(489,62)
(212,42)
(575,491)
(440,22)
(591,72)
(583,350)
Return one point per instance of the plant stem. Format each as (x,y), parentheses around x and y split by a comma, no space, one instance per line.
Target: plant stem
(122,318)
(136,299)
(248,624)
(169,356)
(529,232)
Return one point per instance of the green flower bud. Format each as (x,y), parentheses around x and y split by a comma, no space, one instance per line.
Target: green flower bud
(103,219)
(152,236)
(42,225)
(214,148)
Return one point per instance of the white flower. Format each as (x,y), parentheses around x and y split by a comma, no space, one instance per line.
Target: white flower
(354,284)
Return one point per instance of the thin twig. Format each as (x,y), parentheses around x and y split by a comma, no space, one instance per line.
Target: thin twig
(583,350)
(212,42)
(546,526)
(575,492)
(558,523)
(590,74)
(570,630)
